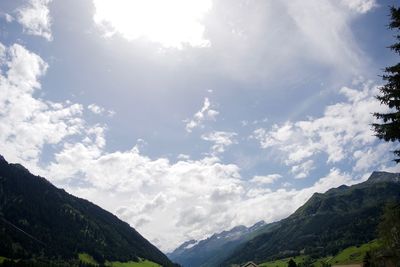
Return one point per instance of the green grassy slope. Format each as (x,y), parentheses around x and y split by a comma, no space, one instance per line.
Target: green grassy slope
(86,258)
(350,255)
(353,254)
(143,263)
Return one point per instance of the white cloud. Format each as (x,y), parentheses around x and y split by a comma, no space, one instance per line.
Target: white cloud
(3,51)
(268,179)
(96,109)
(360,6)
(187,194)
(206,113)
(343,132)
(220,139)
(35,18)
(302,170)
(27,123)
(8,18)
(183,157)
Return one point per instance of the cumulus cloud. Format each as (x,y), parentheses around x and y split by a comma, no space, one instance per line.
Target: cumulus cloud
(35,18)
(27,123)
(206,113)
(267,179)
(96,109)
(342,133)
(220,139)
(163,191)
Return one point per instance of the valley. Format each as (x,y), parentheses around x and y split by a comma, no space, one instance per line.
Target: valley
(337,227)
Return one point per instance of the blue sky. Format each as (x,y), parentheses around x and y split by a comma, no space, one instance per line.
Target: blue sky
(186,118)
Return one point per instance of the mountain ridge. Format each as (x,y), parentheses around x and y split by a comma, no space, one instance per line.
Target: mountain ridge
(364,201)
(66,225)
(326,223)
(212,250)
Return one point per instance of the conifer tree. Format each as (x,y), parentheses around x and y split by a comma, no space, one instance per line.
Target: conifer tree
(389,129)
(292,263)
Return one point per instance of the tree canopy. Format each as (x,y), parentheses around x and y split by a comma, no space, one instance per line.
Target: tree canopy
(292,263)
(389,128)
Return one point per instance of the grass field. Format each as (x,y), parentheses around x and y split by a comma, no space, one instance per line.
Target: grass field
(350,255)
(86,258)
(283,262)
(143,263)
(353,254)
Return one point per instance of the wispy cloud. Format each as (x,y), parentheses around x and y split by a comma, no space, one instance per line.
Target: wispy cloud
(206,113)
(7,17)
(220,139)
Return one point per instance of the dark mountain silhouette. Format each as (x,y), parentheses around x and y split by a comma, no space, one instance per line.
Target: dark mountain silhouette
(38,220)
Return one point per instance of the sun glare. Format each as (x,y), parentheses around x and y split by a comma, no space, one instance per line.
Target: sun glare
(171,23)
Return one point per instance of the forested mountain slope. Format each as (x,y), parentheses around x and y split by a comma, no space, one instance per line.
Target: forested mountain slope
(39,220)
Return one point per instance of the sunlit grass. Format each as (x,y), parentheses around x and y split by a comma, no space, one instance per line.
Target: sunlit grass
(86,258)
(350,255)
(283,262)
(353,254)
(2,259)
(143,263)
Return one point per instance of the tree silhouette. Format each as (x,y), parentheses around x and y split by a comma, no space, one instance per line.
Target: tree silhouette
(389,129)
(389,229)
(292,263)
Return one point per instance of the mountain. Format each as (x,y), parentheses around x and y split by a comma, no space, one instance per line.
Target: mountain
(326,223)
(215,249)
(38,220)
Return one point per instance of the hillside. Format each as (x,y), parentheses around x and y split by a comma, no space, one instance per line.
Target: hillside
(216,248)
(326,223)
(38,220)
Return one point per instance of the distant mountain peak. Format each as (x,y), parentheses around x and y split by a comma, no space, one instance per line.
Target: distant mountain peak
(212,250)
(186,245)
(381,176)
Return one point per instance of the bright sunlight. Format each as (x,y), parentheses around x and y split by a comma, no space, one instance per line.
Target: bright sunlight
(171,23)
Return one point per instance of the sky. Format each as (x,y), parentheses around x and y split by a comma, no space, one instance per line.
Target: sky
(189,117)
